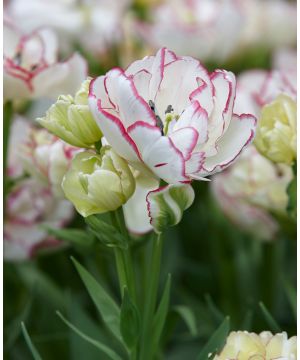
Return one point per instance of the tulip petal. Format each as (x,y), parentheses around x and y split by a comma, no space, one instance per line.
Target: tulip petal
(185,140)
(167,204)
(239,134)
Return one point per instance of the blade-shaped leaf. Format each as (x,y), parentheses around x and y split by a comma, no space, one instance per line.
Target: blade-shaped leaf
(130,321)
(32,348)
(161,313)
(292,296)
(73,236)
(109,352)
(292,195)
(105,232)
(106,306)
(269,319)
(217,340)
(188,317)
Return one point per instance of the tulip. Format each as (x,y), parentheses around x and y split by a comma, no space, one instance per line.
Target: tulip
(169,118)
(98,183)
(250,190)
(30,205)
(70,119)
(31,69)
(243,345)
(276,136)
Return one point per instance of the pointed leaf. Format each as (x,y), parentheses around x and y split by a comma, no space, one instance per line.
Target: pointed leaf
(217,340)
(106,306)
(188,317)
(109,352)
(32,348)
(161,313)
(130,321)
(105,232)
(73,236)
(292,195)
(274,327)
(292,296)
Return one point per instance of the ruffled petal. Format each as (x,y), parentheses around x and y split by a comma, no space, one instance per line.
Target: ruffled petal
(185,140)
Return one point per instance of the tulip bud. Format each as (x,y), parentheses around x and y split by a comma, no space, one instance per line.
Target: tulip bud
(71,120)
(276,136)
(166,205)
(98,183)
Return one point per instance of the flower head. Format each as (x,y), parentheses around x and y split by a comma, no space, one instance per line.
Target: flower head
(30,205)
(98,183)
(277,134)
(31,69)
(242,345)
(70,119)
(250,190)
(168,117)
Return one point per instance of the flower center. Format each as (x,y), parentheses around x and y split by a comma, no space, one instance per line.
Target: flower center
(169,117)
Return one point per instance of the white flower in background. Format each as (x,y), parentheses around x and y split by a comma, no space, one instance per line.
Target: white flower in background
(98,183)
(170,119)
(94,24)
(31,68)
(269,23)
(250,190)
(207,29)
(30,205)
(285,59)
(71,120)
(242,345)
(46,158)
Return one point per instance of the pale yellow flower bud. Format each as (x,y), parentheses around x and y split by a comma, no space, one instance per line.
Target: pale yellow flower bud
(98,183)
(242,345)
(71,120)
(276,136)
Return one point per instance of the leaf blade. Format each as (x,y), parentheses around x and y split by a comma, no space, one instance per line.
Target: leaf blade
(32,348)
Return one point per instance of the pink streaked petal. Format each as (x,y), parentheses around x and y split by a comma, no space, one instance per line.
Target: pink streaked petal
(196,117)
(140,65)
(185,140)
(141,82)
(131,106)
(238,135)
(164,152)
(98,89)
(144,135)
(195,163)
(203,94)
(114,131)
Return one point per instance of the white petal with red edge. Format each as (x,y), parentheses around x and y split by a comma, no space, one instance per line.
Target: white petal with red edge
(185,140)
(196,117)
(167,204)
(135,210)
(144,135)
(165,160)
(203,94)
(239,134)
(195,163)
(140,65)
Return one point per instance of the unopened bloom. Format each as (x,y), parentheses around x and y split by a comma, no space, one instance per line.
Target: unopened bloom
(46,158)
(250,190)
(98,183)
(276,136)
(71,120)
(242,345)
(168,117)
(31,68)
(212,28)
(30,205)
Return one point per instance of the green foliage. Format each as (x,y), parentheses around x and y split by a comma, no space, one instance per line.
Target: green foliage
(32,348)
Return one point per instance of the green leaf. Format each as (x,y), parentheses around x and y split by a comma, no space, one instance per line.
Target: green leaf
(188,317)
(292,195)
(73,236)
(292,296)
(217,341)
(161,313)
(109,352)
(274,327)
(32,348)
(216,313)
(106,306)
(105,232)
(130,321)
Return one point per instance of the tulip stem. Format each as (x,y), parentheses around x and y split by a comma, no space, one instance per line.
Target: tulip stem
(151,290)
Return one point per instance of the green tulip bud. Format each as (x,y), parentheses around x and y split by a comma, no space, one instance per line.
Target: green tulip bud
(276,136)
(98,183)
(71,120)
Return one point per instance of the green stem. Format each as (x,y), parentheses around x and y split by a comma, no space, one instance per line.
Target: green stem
(120,269)
(147,350)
